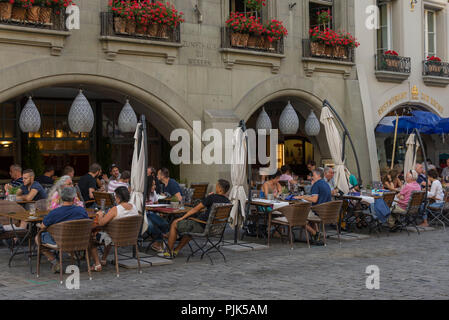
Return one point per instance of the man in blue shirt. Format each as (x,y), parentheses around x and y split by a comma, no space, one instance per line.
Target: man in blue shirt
(30,190)
(67,212)
(169,186)
(320,193)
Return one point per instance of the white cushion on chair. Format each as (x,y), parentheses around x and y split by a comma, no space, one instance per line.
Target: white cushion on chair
(9,227)
(281,219)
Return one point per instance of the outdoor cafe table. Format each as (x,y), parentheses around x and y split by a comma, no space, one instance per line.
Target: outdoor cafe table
(272,204)
(32,230)
(169,212)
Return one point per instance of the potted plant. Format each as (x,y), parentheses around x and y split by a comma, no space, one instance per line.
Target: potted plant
(33,10)
(256,32)
(255,5)
(324,17)
(12,192)
(48,7)
(390,59)
(19,10)
(238,25)
(344,43)
(6,9)
(169,18)
(317,45)
(274,31)
(434,65)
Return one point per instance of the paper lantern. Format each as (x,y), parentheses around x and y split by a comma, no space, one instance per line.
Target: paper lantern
(289,121)
(127,120)
(312,125)
(263,121)
(81,116)
(30,119)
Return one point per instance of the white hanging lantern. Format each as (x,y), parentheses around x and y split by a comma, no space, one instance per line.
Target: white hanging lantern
(81,116)
(127,120)
(312,125)
(30,119)
(289,121)
(263,121)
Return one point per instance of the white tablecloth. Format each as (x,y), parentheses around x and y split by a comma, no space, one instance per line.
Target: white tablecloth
(276,204)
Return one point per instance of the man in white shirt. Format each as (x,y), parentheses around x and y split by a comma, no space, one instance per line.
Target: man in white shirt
(436,193)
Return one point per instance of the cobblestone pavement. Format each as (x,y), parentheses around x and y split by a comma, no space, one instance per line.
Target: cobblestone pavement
(411,267)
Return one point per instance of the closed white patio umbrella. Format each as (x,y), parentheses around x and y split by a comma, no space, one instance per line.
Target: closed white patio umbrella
(335,147)
(139,174)
(238,177)
(410,155)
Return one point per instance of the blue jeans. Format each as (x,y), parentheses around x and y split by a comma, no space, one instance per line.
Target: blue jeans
(156,226)
(435,205)
(47,238)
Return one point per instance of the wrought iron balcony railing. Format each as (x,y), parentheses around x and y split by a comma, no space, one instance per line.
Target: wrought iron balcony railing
(321,51)
(231,40)
(393,63)
(436,68)
(57,22)
(110,26)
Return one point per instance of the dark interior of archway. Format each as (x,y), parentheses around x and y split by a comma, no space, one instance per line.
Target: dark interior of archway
(298,148)
(59,147)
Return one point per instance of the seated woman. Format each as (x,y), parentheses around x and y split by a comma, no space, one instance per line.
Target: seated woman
(54,195)
(436,193)
(272,186)
(121,210)
(396,180)
(157,226)
(387,182)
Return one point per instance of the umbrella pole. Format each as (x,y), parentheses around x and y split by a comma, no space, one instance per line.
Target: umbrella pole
(326,103)
(394,141)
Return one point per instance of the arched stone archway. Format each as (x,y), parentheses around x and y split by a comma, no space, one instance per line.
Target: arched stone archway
(25,77)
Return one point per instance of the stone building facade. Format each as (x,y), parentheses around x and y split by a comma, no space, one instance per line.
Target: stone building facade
(199,77)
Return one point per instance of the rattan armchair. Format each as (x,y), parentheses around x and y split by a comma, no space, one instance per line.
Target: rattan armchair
(294,215)
(199,190)
(70,236)
(124,232)
(328,213)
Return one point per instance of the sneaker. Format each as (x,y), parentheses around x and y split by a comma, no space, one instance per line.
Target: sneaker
(317,243)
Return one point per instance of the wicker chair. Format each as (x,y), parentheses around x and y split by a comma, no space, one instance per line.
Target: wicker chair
(70,236)
(12,227)
(124,232)
(294,215)
(214,229)
(413,211)
(388,197)
(328,213)
(199,190)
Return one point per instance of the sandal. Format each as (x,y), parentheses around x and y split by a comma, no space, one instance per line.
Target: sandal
(157,249)
(96,268)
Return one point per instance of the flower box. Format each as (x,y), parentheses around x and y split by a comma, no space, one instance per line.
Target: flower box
(5,10)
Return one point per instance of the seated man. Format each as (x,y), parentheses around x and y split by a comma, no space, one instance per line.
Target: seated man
(184,224)
(169,186)
(320,193)
(30,190)
(15,171)
(88,182)
(123,181)
(329,177)
(404,196)
(47,177)
(67,212)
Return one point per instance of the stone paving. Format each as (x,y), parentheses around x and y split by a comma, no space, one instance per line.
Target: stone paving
(411,267)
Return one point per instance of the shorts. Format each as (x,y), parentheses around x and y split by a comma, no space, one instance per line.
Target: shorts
(47,238)
(190,226)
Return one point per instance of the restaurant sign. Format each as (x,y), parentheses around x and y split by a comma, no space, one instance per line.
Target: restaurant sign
(415,96)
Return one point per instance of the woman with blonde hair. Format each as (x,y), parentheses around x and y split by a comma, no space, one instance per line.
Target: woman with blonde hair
(54,195)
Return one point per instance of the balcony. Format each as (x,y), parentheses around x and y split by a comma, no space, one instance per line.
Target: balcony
(138,42)
(436,73)
(326,59)
(248,52)
(39,34)
(390,68)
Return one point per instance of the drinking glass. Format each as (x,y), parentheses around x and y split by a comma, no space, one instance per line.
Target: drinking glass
(32,208)
(103,202)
